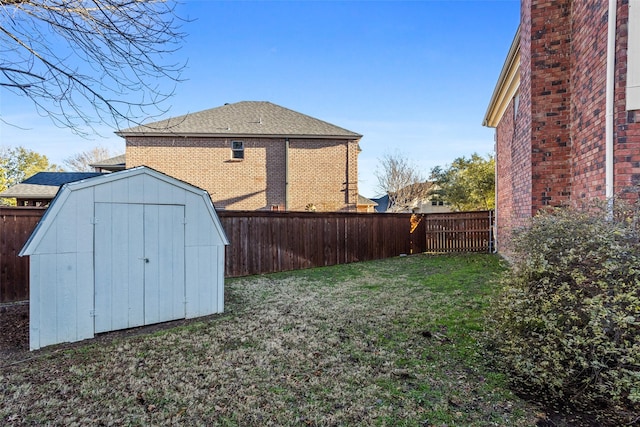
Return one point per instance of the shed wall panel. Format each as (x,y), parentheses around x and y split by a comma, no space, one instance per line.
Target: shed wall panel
(65,301)
(203,280)
(151,192)
(84,295)
(84,222)
(48,244)
(135,188)
(48,308)
(193,273)
(120,190)
(219,275)
(66,227)
(102,193)
(35,277)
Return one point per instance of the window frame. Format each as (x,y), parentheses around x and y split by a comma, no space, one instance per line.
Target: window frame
(237,153)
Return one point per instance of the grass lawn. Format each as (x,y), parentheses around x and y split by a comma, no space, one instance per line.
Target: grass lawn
(389,342)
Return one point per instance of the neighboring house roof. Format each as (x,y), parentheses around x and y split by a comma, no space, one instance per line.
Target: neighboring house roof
(30,191)
(382,203)
(58,178)
(44,185)
(246,118)
(507,85)
(113,163)
(363,201)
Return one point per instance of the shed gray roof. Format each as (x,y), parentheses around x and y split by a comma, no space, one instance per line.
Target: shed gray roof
(246,118)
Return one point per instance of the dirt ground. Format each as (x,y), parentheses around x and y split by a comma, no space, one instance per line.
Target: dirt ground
(14,338)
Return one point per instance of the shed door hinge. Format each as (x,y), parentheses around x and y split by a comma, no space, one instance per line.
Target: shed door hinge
(92,313)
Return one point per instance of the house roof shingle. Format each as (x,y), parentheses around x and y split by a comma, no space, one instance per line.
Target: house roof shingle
(113,162)
(365,201)
(246,118)
(30,191)
(44,185)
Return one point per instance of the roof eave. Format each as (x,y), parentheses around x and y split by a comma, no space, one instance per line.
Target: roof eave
(507,85)
(18,191)
(236,135)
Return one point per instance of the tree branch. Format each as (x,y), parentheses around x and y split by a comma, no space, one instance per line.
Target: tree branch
(88,62)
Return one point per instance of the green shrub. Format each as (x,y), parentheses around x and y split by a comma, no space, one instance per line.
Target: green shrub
(566,326)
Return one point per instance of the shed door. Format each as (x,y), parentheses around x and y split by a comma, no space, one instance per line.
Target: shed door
(139,265)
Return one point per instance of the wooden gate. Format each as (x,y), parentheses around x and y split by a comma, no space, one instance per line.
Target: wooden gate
(459,232)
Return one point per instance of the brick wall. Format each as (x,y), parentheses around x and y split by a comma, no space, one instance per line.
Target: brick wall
(507,180)
(588,77)
(322,173)
(588,104)
(626,123)
(550,34)
(513,148)
(318,170)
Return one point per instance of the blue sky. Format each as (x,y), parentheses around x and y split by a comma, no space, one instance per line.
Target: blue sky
(412,77)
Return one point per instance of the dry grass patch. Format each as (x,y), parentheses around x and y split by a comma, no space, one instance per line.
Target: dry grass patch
(390,342)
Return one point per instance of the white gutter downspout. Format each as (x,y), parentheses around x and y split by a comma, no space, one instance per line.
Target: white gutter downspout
(611,69)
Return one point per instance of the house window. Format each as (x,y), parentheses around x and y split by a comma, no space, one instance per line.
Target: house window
(237,150)
(633,57)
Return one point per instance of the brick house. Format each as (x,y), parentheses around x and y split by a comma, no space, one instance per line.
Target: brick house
(566,108)
(254,156)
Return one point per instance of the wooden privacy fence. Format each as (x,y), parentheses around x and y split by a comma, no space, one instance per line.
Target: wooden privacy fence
(16,225)
(266,242)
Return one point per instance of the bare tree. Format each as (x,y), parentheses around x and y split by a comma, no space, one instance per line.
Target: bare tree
(402,182)
(84,62)
(82,162)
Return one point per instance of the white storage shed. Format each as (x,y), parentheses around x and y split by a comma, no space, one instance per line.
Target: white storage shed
(121,250)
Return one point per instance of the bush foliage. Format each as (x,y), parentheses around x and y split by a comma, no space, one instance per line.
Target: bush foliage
(566,326)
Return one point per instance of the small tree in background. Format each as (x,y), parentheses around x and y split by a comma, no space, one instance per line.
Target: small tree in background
(401,181)
(467,184)
(18,164)
(82,162)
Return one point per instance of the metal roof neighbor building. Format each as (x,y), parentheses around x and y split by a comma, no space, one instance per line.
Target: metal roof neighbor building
(121,250)
(41,188)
